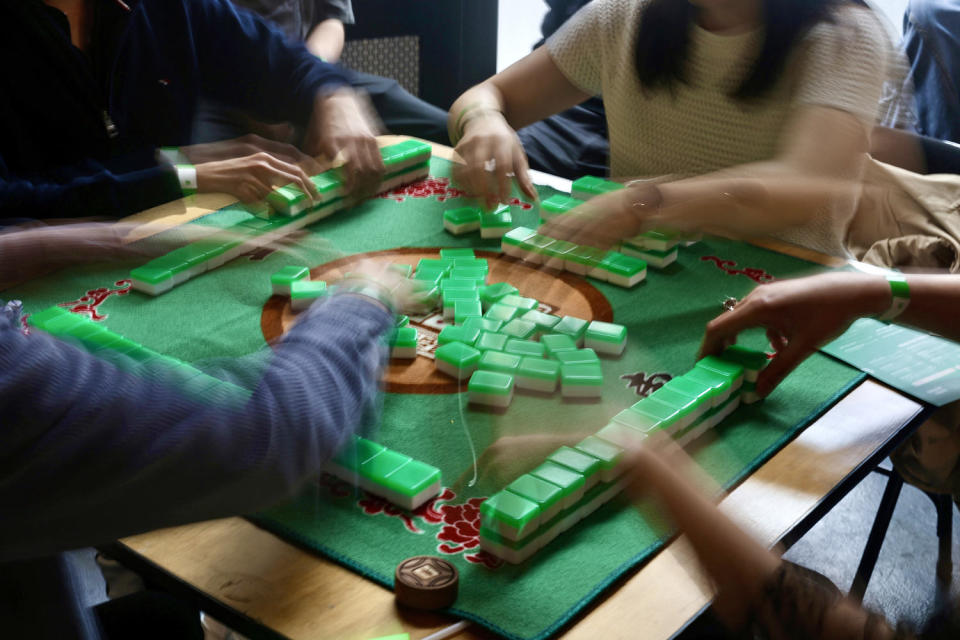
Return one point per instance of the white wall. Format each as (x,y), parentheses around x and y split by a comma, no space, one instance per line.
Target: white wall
(519,29)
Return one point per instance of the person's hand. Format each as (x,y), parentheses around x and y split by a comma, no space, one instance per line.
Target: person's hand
(400,292)
(509,457)
(249,145)
(600,222)
(251,178)
(343,122)
(488,139)
(799,316)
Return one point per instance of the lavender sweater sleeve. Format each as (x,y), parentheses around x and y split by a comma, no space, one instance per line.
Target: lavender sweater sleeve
(90,452)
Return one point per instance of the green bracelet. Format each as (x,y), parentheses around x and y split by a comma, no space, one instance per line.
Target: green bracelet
(900,292)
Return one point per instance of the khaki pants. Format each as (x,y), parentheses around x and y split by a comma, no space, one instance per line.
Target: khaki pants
(930,458)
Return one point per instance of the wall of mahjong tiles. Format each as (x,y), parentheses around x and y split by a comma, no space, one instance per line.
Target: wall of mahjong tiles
(229,312)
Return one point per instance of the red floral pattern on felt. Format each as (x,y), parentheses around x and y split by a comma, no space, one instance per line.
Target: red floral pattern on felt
(757,275)
(90,302)
(441,188)
(461,522)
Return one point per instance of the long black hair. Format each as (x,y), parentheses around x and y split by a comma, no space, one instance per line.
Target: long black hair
(663,37)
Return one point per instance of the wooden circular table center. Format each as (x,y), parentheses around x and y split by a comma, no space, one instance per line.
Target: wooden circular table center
(560,293)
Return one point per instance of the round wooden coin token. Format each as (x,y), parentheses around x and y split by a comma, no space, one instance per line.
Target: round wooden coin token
(426,582)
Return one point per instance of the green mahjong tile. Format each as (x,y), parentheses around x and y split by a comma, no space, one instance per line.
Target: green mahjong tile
(451,296)
(545,494)
(464,215)
(501,312)
(609,454)
(567,479)
(570,326)
(581,374)
(463,309)
(404,337)
(731,370)
(493,293)
(621,434)
(442,264)
(654,253)
(660,235)
(577,356)
(594,185)
(683,403)
(453,254)
(357,451)
(719,383)
(555,343)
(518,328)
(580,462)
(289,274)
(524,348)
(621,265)
(664,413)
(405,151)
(458,355)
(697,391)
(41,318)
(431,276)
(499,218)
(544,321)
(483,324)
(510,509)
(458,285)
(327,181)
(454,333)
(471,263)
(606,332)
(286,197)
(538,368)
(469,273)
(401,321)
(380,466)
(518,236)
(150,275)
(524,304)
(588,256)
(63,324)
(749,359)
(559,249)
(490,341)
(490,382)
(100,341)
(559,203)
(307,289)
(538,243)
(85,329)
(412,478)
(499,362)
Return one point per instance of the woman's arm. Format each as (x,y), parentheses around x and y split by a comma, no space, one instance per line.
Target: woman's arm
(801,315)
(326,40)
(484,119)
(750,586)
(819,166)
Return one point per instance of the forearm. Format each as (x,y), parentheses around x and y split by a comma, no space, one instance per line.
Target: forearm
(735,562)
(326,40)
(482,99)
(934,305)
(113,451)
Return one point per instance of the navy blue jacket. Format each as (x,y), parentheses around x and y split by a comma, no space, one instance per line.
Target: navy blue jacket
(78,131)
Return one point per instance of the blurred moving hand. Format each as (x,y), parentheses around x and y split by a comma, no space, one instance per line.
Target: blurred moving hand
(344,122)
(492,154)
(799,316)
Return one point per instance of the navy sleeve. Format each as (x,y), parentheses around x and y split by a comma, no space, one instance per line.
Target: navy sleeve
(90,452)
(244,62)
(88,189)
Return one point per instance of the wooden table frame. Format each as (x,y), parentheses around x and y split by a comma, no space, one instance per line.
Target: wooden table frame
(264,587)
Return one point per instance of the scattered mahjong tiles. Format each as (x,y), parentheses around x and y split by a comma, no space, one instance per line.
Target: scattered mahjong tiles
(286,209)
(574,481)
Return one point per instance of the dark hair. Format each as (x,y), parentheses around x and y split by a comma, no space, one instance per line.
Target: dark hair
(662,41)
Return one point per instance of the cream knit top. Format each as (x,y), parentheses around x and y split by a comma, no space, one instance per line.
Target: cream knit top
(698,128)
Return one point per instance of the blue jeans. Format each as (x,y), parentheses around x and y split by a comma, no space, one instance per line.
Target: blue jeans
(931,34)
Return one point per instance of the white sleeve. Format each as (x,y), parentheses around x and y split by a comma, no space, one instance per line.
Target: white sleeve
(844,64)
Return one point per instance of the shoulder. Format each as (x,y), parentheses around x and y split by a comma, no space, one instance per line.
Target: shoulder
(604,22)
(850,27)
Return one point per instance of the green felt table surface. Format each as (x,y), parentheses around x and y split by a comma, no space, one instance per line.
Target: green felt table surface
(218,315)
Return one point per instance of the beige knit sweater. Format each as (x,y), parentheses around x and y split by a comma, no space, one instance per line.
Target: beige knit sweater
(699,128)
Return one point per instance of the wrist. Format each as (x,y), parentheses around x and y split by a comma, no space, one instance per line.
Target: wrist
(643,199)
(471,113)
